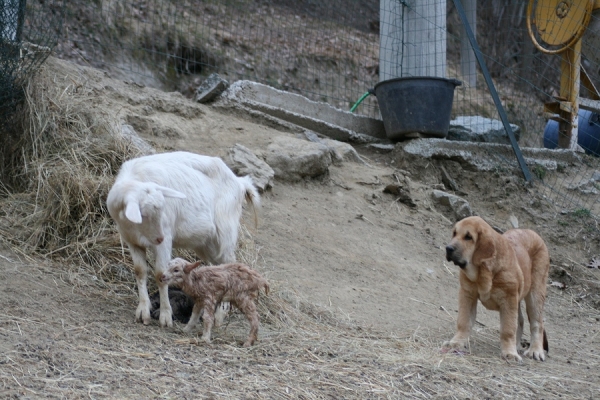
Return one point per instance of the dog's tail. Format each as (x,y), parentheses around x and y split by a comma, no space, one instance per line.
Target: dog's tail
(546,342)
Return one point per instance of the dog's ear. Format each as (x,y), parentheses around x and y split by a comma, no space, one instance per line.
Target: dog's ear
(485,247)
(191,266)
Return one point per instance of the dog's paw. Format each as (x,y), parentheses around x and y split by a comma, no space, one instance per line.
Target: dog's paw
(535,354)
(511,356)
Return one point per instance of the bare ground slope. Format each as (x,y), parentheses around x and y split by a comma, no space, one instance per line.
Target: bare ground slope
(362,299)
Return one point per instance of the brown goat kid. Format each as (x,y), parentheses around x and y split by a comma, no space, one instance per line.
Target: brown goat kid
(211,285)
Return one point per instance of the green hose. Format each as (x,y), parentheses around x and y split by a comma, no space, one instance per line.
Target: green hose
(364,96)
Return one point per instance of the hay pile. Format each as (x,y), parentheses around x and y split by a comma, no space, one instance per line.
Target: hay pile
(63,160)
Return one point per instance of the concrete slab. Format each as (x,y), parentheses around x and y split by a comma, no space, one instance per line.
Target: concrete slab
(481,156)
(316,116)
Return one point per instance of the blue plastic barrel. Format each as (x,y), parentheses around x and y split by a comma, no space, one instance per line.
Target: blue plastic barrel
(588,136)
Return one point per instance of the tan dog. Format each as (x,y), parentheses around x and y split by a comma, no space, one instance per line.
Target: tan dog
(500,271)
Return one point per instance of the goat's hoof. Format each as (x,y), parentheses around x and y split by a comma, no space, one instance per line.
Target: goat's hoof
(456,347)
(142,315)
(140,319)
(166,320)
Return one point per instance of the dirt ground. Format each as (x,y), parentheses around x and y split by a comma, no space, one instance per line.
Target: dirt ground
(367,273)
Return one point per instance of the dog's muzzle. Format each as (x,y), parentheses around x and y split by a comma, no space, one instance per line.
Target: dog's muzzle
(452,255)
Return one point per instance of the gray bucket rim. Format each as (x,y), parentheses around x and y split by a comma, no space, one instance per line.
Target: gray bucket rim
(455,82)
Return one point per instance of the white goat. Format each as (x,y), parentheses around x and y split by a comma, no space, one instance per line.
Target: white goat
(177,200)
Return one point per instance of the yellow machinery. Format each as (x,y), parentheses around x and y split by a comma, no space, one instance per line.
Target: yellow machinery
(556,27)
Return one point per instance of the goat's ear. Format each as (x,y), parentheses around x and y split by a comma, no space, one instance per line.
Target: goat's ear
(168,192)
(189,267)
(133,213)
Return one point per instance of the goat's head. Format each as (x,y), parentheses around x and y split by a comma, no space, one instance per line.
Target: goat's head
(177,268)
(144,203)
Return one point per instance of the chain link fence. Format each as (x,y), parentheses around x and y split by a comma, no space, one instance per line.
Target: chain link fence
(28,32)
(540,55)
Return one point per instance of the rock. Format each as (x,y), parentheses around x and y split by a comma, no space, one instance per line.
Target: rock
(294,159)
(243,162)
(342,151)
(213,86)
(403,195)
(480,129)
(129,133)
(459,206)
(586,186)
(392,188)
(309,135)
(447,180)
(381,147)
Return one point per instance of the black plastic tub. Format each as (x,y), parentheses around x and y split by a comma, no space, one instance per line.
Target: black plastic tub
(416,104)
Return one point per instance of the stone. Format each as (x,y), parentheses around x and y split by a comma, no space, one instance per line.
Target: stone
(295,159)
(213,86)
(459,207)
(243,161)
(382,147)
(402,194)
(129,133)
(480,129)
(342,151)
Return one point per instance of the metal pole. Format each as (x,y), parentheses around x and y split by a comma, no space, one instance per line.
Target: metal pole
(492,89)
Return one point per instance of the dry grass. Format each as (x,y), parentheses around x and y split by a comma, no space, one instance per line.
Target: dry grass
(69,154)
(303,352)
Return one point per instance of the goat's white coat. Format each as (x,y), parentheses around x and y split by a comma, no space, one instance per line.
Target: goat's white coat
(177,200)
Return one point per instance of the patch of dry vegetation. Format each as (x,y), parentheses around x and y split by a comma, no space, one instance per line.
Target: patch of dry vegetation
(302,353)
(67,155)
(177,45)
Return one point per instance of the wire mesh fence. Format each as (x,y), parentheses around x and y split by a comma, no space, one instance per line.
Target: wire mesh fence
(326,51)
(540,55)
(28,32)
